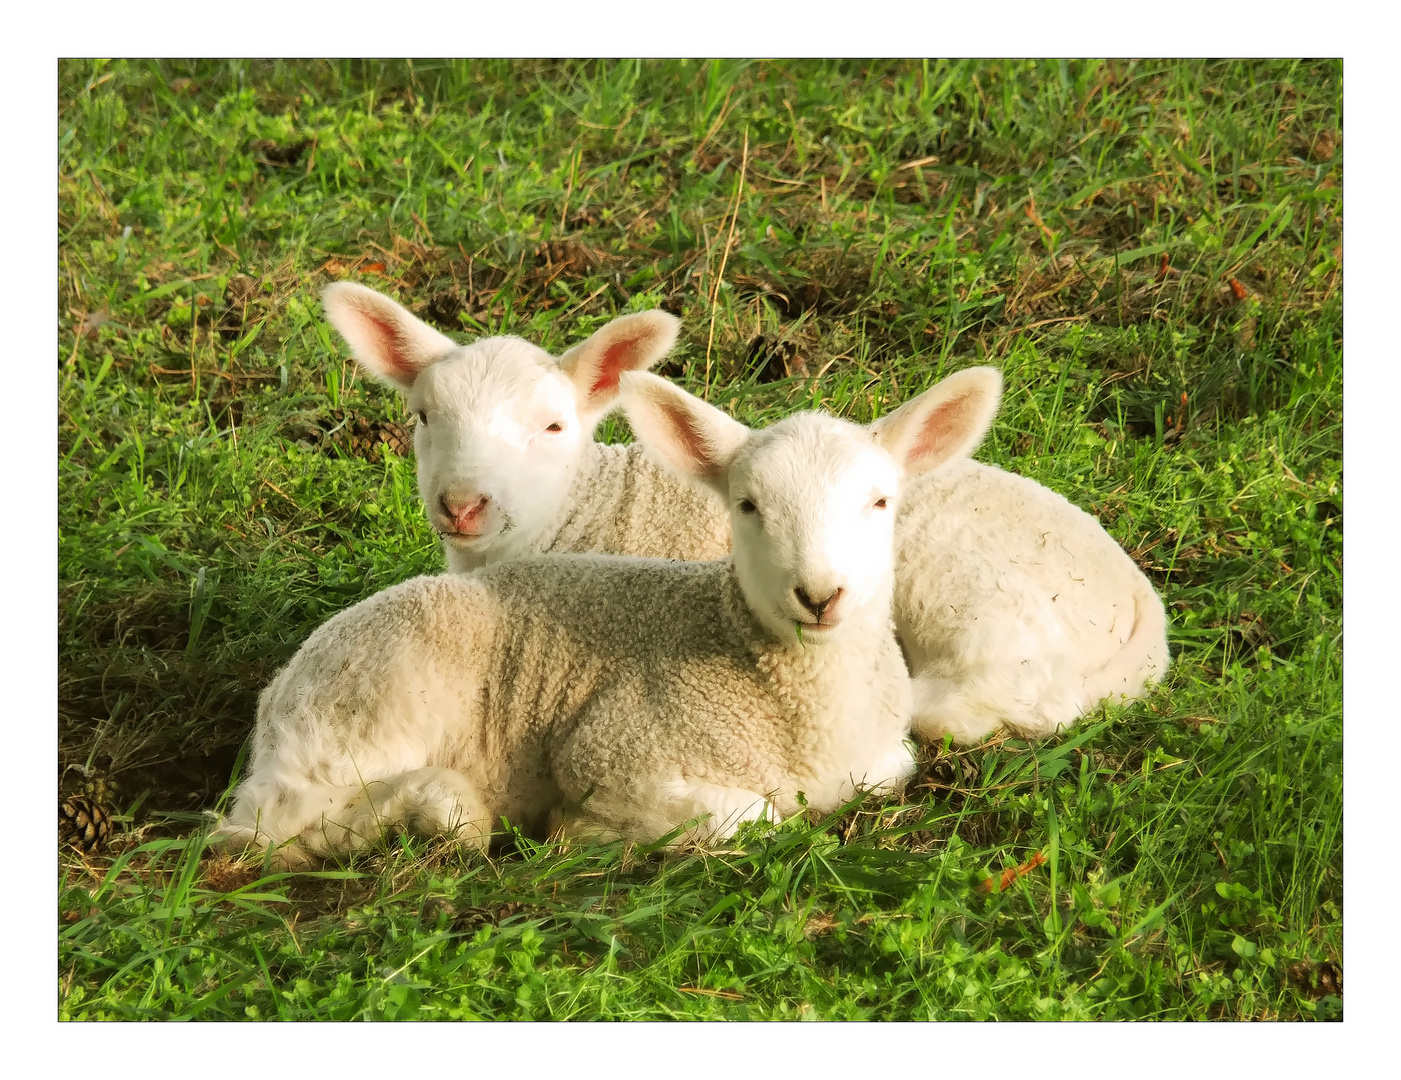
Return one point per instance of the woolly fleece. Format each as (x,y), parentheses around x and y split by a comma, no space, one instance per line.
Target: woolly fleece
(622,504)
(515,689)
(1014,607)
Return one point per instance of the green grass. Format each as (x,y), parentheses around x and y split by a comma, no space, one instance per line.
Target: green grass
(1149,251)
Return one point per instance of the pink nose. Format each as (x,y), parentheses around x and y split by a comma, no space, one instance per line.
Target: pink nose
(824,610)
(466,514)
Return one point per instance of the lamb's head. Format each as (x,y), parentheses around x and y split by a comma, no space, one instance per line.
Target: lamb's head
(812,498)
(501,423)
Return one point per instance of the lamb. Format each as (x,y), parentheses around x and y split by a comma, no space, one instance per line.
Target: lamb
(649,695)
(1013,606)
(507,465)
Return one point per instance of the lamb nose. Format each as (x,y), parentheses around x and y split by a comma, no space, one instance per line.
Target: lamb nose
(465,512)
(817,607)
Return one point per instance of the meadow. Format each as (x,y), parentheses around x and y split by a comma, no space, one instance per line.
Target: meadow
(1149,251)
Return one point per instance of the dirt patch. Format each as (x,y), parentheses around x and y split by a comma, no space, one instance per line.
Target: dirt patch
(224,873)
(772,358)
(278,156)
(469,920)
(443,285)
(152,616)
(825,281)
(1315,978)
(1244,636)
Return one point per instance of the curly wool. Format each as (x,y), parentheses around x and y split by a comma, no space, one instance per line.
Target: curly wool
(621,504)
(518,688)
(1014,607)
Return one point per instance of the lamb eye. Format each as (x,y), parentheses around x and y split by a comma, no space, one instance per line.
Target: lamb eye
(422,417)
(747,507)
(556,426)
(880,503)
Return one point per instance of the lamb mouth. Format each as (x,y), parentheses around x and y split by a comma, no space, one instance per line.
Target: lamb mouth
(461,538)
(505,525)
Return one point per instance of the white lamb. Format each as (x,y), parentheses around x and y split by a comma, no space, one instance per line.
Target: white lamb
(643,693)
(1013,606)
(507,465)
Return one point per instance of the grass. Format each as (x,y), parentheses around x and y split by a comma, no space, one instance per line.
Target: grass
(1149,251)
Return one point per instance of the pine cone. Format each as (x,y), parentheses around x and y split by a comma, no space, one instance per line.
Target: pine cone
(360,435)
(395,438)
(83,822)
(99,788)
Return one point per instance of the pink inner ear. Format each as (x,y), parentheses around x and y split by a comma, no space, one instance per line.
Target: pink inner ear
(616,359)
(941,430)
(388,346)
(694,444)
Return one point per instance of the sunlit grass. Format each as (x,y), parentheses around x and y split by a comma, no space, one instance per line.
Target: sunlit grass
(1150,254)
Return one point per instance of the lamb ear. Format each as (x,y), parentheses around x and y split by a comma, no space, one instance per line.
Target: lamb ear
(680,432)
(947,421)
(392,344)
(628,343)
